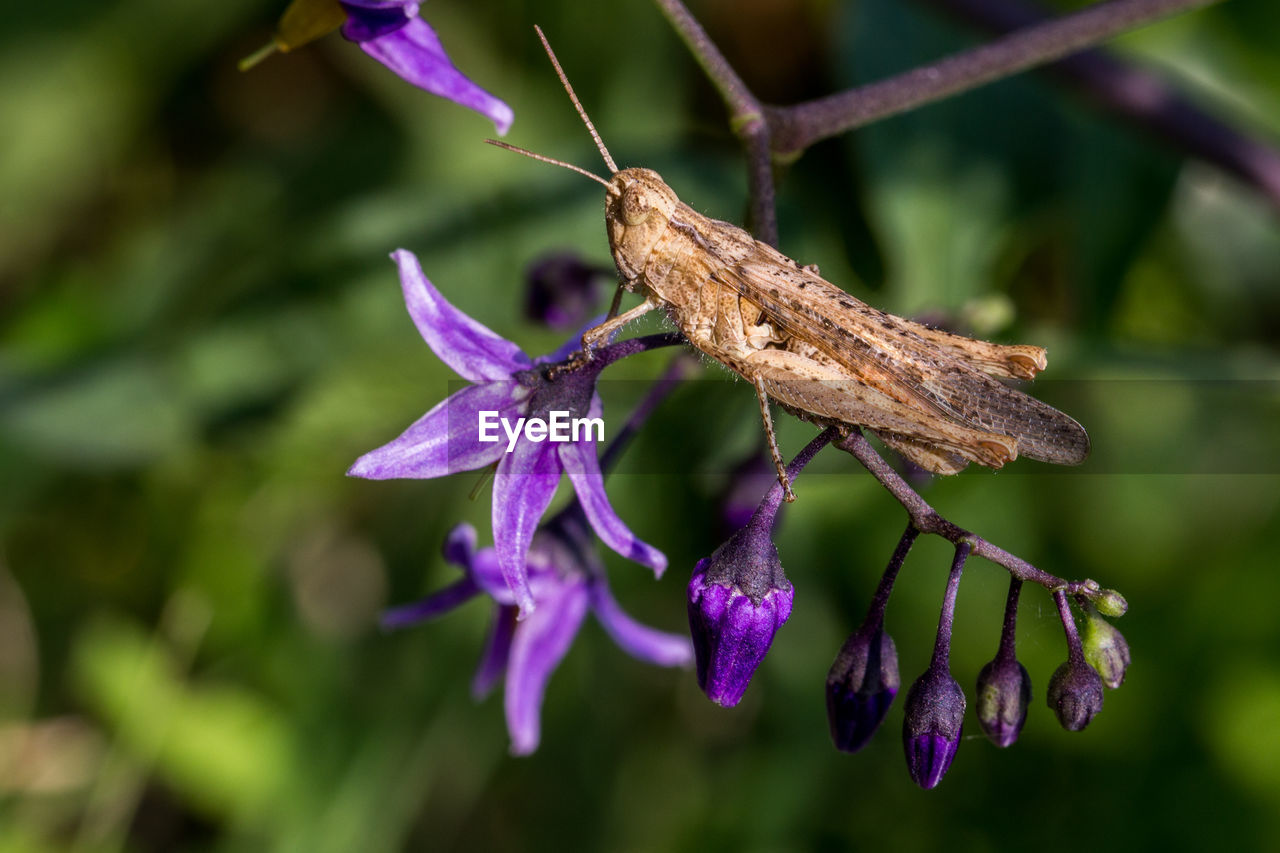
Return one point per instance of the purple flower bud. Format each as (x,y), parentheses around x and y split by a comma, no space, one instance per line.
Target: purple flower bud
(861,686)
(1004,693)
(1075,694)
(931,731)
(739,596)
(561,290)
(1004,688)
(1105,648)
(738,599)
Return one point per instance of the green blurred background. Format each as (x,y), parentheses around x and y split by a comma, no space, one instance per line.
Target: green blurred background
(201,330)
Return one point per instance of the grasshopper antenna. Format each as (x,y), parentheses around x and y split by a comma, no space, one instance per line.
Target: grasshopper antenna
(528,153)
(604,152)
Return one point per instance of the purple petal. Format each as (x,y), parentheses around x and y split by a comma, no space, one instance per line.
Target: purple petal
(370,20)
(540,643)
(525,482)
(414,52)
(929,757)
(732,633)
(431,606)
(444,440)
(473,351)
(639,641)
(497,651)
(583,468)
(486,572)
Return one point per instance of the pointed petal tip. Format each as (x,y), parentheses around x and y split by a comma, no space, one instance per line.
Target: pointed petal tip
(502,116)
(523,748)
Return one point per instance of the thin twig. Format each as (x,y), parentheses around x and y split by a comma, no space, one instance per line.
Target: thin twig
(1141,97)
(746,117)
(875,613)
(797,127)
(942,645)
(743,105)
(927,520)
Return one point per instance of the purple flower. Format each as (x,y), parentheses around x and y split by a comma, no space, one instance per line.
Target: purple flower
(391,32)
(566,581)
(448,438)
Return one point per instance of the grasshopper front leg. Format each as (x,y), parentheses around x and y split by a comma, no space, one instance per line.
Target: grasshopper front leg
(597,335)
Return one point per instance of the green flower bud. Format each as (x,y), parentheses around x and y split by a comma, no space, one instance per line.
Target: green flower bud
(1105,648)
(1111,603)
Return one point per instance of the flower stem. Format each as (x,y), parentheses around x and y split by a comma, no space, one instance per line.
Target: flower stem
(875,613)
(1075,652)
(607,355)
(768,509)
(927,520)
(1008,634)
(942,646)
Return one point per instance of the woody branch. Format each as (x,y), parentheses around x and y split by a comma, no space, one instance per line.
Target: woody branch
(772,133)
(781,134)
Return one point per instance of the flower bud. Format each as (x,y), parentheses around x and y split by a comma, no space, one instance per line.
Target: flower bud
(931,731)
(1111,603)
(861,686)
(1004,694)
(1105,648)
(738,599)
(1075,694)
(560,290)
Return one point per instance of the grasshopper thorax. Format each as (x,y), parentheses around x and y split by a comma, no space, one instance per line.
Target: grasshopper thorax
(638,206)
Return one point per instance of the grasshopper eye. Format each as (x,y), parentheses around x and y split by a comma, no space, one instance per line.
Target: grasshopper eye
(635,205)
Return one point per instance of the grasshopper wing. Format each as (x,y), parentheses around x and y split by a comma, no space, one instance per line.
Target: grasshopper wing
(948,375)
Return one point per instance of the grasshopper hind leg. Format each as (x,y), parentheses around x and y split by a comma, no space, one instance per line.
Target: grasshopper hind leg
(771,436)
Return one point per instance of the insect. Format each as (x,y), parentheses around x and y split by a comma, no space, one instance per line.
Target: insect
(824,356)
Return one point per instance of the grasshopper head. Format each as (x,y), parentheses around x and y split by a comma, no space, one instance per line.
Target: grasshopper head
(638,204)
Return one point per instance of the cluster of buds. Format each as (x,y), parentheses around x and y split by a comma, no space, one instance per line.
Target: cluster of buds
(739,598)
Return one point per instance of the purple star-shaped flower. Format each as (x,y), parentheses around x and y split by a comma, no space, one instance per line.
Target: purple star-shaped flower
(447,438)
(391,32)
(566,580)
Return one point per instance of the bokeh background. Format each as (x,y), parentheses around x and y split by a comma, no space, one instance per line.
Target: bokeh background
(200,330)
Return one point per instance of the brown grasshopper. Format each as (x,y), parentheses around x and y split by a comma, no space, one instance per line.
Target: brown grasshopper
(828,358)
